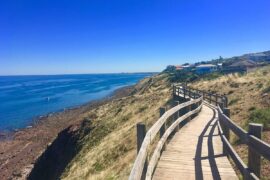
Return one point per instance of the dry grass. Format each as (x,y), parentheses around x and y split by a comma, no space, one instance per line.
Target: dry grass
(246,93)
(109,151)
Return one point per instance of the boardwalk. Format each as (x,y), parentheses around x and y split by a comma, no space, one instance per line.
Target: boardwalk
(195,152)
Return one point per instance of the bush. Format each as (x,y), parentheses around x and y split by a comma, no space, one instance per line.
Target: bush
(266,90)
(183,76)
(212,76)
(233,101)
(141,109)
(261,116)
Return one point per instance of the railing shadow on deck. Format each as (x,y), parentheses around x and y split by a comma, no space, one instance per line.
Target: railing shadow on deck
(257,148)
(142,169)
(212,124)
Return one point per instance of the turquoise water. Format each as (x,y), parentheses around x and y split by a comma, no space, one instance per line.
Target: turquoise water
(23,98)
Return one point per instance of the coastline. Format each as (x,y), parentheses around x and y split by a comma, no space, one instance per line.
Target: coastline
(20,149)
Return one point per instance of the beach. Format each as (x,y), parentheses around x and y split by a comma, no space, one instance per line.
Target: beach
(20,149)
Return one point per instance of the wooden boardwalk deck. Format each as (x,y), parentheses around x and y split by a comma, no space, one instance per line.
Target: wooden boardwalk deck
(195,152)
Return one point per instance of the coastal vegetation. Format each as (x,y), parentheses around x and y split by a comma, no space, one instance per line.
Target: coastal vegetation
(109,149)
(105,143)
(249,101)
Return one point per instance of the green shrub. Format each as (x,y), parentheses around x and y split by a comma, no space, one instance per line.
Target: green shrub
(98,167)
(233,101)
(261,116)
(183,76)
(234,85)
(212,76)
(141,109)
(251,108)
(266,90)
(260,85)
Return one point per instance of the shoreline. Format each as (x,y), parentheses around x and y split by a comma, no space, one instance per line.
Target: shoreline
(8,134)
(20,149)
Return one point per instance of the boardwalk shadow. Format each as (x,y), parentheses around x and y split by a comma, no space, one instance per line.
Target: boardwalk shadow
(211,125)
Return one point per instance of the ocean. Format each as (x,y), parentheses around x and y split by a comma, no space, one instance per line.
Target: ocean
(24,98)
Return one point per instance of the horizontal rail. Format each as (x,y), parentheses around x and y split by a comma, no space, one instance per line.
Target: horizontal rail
(241,133)
(259,146)
(235,157)
(136,172)
(256,146)
(209,96)
(157,152)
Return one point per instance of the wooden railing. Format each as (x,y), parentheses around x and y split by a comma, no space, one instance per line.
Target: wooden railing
(180,113)
(256,147)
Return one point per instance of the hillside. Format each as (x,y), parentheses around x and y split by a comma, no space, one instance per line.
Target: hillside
(109,150)
(103,144)
(249,101)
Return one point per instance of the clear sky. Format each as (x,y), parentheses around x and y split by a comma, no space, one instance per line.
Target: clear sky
(96,36)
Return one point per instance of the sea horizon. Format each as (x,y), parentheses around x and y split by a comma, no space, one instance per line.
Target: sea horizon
(28,97)
(63,74)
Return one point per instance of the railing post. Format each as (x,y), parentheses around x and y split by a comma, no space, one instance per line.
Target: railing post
(254,159)
(226,130)
(221,105)
(184,89)
(226,101)
(189,109)
(141,132)
(176,116)
(162,130)
(216,100)
(210,98)
(203,94)
(175,94)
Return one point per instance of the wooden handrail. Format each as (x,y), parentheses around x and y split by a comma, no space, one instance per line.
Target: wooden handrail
(137,170)
(157,152)
(219,103)
(257,147)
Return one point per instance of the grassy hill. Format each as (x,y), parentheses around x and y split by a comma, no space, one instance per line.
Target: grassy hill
(102,145)
(109,149)
(249,101)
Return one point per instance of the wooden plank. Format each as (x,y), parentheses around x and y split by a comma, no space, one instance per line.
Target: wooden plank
(156,155)
(191,151)
(136,172)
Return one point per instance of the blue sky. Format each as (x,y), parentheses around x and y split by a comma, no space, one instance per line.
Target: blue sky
(97,36)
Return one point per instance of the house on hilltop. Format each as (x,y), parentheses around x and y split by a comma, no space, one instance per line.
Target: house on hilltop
(178,67)
(205,68)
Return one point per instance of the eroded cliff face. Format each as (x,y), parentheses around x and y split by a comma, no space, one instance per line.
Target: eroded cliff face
(53,161)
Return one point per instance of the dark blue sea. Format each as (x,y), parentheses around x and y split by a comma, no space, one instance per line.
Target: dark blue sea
(23,98)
